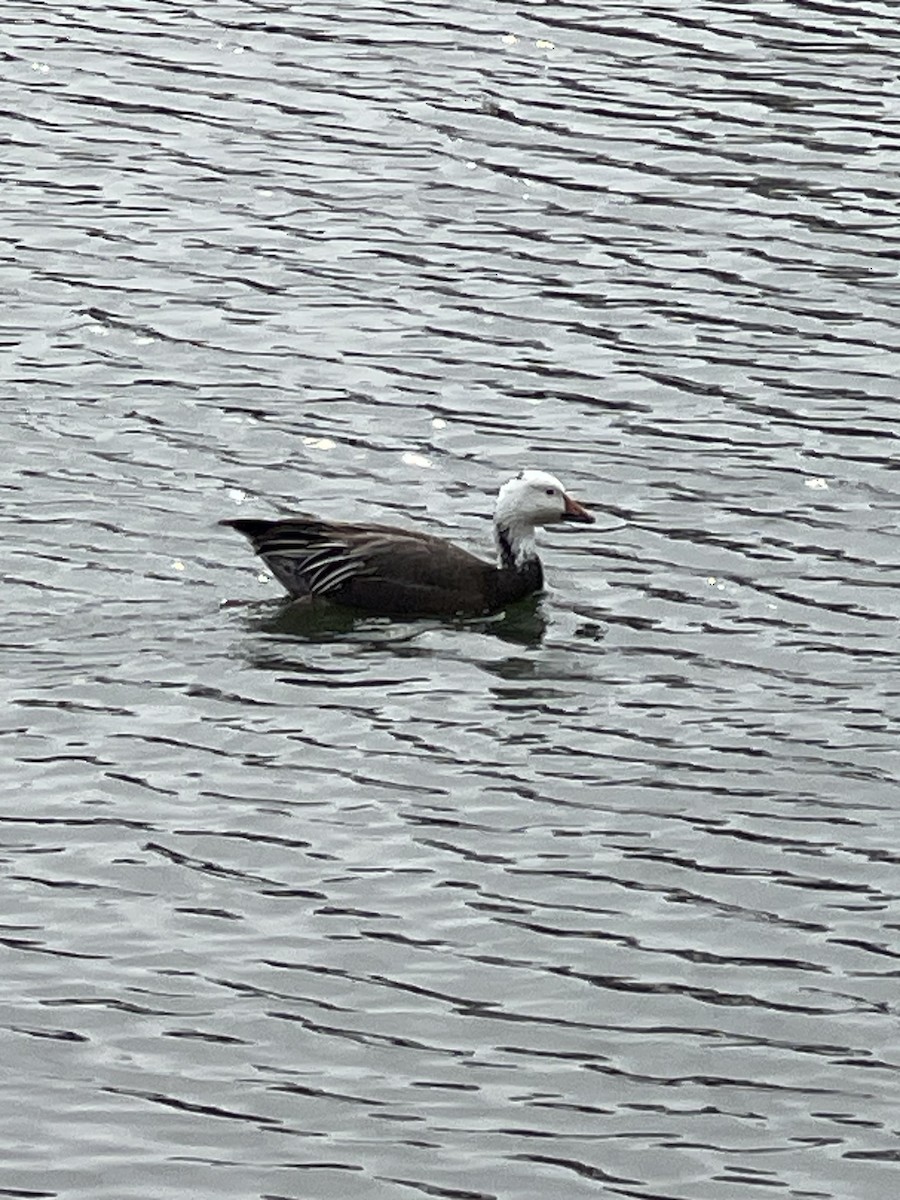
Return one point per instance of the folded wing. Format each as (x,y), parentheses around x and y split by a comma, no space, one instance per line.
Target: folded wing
(374,567)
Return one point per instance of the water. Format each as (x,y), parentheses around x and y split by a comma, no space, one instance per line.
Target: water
(598,898)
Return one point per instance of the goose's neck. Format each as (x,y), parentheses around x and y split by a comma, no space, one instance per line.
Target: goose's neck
(516,546)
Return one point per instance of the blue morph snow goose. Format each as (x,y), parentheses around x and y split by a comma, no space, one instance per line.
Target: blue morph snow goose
(381,569)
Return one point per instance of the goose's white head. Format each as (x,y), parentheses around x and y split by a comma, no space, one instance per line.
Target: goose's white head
(536,498)
(530,499)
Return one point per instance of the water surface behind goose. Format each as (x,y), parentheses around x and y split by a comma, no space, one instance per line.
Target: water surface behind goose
(599,898)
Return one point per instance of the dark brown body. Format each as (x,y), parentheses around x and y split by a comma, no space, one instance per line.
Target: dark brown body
(382,569)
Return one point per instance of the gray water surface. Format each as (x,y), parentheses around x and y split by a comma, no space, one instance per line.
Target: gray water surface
(595,898)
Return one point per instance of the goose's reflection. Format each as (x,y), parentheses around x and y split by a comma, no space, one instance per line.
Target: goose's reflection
(522,624)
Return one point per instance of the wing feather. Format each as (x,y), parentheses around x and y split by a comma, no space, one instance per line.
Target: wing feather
(364,564)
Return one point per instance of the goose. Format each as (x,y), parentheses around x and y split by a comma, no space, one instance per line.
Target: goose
(389,571)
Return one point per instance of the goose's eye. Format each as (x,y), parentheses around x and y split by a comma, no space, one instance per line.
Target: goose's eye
(551,491)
